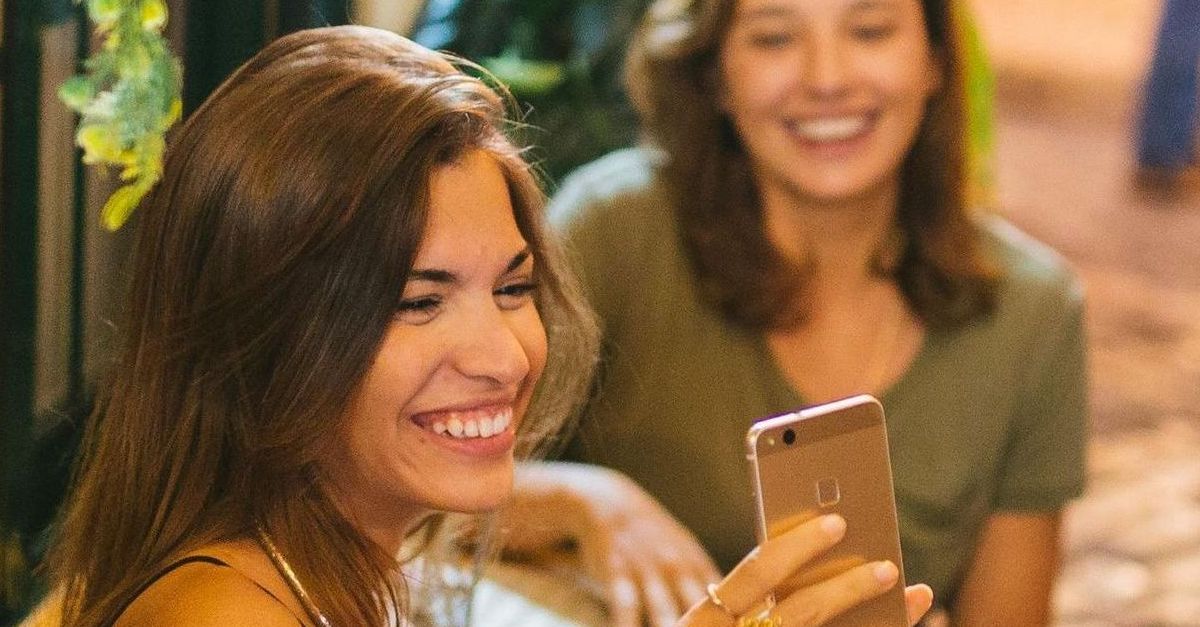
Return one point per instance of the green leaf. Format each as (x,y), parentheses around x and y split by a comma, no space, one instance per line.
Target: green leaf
(76,92)
(104,13)
(153,15)
(133,63)
(128,97)
(101,143)
(102,107)
(525,77)
(121,205)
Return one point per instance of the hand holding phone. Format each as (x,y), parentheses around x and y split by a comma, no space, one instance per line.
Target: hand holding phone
(831,459)
(739,598)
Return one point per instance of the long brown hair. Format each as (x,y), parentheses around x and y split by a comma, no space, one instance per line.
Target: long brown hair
(268,264)
(672,78)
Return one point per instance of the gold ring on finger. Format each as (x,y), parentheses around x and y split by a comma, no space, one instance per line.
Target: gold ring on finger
(711,590)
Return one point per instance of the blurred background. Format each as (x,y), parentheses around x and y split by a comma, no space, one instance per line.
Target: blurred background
(1068,82)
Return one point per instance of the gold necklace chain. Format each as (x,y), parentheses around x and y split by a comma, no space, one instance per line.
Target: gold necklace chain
(289,575)
(875,371)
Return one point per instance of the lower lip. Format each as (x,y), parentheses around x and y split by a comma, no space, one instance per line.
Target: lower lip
(497,445)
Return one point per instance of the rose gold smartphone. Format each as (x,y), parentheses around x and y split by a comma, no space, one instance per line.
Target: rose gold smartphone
(832,458)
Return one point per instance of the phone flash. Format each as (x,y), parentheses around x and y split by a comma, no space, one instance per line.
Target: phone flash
(828,492)
(770,441)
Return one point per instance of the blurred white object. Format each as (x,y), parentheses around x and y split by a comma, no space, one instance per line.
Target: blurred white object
(513,595)
(395,15)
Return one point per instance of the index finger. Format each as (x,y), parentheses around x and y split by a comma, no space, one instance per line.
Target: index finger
(768,565)
(623,607)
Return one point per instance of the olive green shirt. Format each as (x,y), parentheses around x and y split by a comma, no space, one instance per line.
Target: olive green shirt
(989,417)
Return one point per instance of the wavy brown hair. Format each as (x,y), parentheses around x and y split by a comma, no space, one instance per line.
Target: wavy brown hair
(672,78)
(269,262)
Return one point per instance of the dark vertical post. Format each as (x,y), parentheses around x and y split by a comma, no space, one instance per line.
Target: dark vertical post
(221,35)
(76,385)
(22,76)
(21,73)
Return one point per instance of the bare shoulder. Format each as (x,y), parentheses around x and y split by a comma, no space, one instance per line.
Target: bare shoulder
(202,593)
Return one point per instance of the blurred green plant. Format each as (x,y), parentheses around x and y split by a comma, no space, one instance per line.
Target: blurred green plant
(561,59)
(981,96)
(127,98)
(523,76)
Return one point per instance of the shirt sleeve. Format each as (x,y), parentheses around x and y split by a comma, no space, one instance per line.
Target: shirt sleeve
(1044,462)
(577,212)
(581,212)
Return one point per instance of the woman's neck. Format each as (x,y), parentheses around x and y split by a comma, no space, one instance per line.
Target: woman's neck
(386,524)
(841,237)
(390,535)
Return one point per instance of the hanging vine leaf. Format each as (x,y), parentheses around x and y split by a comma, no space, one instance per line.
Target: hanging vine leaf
(127,98)
(526,77)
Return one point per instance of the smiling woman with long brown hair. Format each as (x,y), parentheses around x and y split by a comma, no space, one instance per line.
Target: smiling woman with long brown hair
(795,229)
(273,317)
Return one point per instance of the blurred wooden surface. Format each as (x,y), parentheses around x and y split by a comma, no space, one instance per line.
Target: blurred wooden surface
(1069,76)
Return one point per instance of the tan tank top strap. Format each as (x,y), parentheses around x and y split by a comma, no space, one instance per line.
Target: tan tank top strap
(248,560)
(163,572)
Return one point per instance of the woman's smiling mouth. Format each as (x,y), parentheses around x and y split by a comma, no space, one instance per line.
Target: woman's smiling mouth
(466,425)
(829,129)
(483,422)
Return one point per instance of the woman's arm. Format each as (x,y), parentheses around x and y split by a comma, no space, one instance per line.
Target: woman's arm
(653,568)
(1012,574)
(646,562)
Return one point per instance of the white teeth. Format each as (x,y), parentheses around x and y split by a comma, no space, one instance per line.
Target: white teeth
(460,427)
(829,129)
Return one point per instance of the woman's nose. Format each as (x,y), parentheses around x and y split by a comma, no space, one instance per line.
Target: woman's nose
(492,347)
(824,72)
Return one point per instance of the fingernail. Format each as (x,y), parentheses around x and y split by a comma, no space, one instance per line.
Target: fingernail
(834,525)
(886,573)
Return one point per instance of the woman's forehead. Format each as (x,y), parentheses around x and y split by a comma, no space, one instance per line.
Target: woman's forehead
(471,213)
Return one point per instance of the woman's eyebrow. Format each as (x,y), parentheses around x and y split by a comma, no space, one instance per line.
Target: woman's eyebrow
(448,277)
(770,10)
(517,260)
(867,5)
(765,11)
(434,276)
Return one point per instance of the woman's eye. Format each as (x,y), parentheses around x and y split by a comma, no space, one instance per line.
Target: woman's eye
(873,32)
(770,40)
(418,310)
(513,295)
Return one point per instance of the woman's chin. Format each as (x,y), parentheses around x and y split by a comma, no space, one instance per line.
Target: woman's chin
(486,496)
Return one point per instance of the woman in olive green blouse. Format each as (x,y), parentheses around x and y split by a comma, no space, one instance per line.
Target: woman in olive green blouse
(794,231)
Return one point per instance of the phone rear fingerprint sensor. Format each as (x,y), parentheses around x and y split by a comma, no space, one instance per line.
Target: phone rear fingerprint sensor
(828,493)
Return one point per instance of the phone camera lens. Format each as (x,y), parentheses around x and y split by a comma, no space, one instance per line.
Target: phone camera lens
(789,437)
